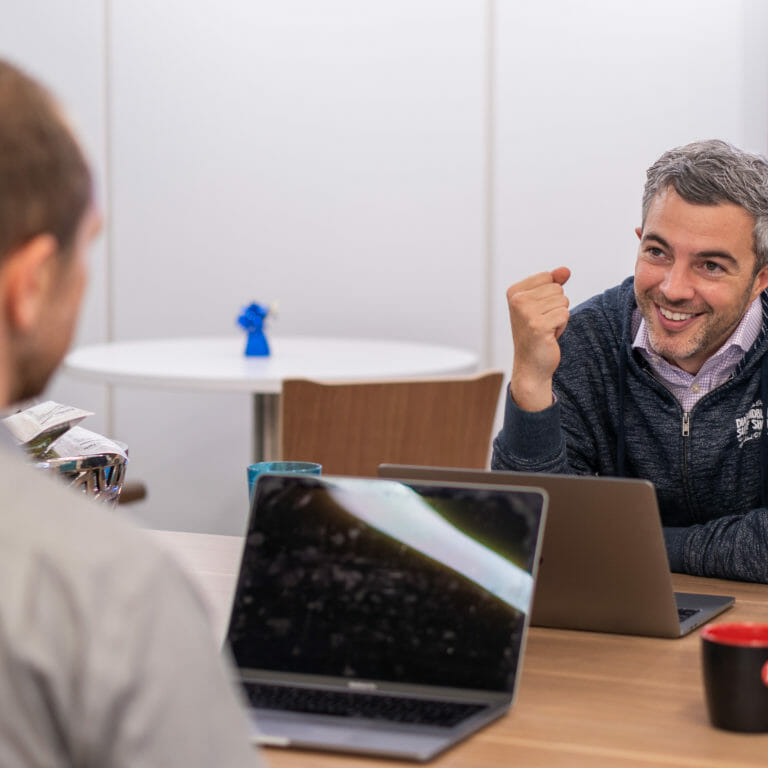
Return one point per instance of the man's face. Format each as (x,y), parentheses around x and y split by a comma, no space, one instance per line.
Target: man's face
(694,276)
(45,348)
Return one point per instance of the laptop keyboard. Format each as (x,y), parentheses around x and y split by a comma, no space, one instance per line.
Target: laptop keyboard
(397,709)
(686,613)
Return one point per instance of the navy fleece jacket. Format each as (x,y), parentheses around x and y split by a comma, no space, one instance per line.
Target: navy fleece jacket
(613,417)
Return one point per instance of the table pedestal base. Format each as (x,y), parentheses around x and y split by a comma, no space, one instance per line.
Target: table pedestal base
(266,431)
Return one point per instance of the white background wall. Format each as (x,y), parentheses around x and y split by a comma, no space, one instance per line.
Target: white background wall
(383,168)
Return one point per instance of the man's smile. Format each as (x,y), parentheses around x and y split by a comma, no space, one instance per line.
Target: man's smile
(671,315)
(673,320)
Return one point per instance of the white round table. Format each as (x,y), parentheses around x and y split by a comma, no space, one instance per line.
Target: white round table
(219,363)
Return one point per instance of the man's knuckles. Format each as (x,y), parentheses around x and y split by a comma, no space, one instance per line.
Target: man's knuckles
(541,279)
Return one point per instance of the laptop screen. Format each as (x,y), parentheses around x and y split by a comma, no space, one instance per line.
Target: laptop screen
(377,580)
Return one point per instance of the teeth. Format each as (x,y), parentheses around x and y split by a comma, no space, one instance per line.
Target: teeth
(673,315)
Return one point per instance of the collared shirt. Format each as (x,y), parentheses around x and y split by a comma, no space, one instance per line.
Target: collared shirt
(686,387)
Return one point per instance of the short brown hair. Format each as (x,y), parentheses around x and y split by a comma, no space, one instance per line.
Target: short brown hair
(45,182)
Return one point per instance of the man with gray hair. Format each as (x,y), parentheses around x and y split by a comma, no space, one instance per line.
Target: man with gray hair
(107,657)
(664,377)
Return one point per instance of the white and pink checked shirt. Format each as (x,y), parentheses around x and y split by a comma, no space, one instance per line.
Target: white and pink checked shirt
(689,389)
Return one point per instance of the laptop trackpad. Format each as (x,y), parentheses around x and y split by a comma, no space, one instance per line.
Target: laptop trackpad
(285,729)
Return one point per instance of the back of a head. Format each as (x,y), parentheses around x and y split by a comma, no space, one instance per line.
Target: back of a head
(713,172)
(45,182)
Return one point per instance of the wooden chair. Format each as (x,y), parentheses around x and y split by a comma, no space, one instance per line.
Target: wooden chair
(350,428)
(132,491)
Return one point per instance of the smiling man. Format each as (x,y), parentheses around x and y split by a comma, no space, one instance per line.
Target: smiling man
(664,377)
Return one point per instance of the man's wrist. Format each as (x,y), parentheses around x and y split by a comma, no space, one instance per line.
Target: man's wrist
(531,395)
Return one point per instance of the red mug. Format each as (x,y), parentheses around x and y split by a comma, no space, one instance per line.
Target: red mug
(735,667)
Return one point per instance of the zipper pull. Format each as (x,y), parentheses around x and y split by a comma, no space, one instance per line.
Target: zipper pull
(686,424)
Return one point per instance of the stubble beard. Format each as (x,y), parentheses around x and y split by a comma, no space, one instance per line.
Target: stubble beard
(709,337)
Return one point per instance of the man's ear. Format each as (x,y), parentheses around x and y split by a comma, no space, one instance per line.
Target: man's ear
(639,232)
(26,277)
(761,282)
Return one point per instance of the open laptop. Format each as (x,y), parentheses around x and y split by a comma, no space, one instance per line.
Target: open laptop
(604,564)
(373,616)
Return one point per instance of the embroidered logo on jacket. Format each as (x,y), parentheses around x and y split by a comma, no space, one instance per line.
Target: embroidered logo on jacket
(749,426)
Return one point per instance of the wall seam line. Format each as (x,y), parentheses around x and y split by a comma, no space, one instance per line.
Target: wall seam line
(490,180)
(109,208)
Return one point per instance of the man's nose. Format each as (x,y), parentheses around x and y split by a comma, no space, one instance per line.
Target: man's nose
(677,284)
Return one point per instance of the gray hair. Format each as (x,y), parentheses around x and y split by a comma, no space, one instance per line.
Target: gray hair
(714,172)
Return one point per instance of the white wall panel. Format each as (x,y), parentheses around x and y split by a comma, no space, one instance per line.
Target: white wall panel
(325,154)
(755,90)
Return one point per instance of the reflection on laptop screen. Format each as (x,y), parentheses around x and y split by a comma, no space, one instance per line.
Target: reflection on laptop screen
(376,580)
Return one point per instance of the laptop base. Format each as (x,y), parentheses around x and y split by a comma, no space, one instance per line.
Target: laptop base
(375,738)
(706,607)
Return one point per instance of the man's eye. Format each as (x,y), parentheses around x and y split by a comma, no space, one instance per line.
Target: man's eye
(657,253)
(712,267)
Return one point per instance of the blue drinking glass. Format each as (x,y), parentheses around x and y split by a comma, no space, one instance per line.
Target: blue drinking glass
(262,467)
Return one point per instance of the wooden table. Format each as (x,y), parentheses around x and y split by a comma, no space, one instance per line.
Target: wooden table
(586,698)
(219,364)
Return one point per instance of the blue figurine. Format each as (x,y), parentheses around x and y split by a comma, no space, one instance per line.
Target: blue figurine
(252,320)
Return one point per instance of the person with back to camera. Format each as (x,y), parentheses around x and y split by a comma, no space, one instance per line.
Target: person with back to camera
(107,657)
(664,377)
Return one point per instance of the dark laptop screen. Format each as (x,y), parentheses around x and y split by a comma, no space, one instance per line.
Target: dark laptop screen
(378,580)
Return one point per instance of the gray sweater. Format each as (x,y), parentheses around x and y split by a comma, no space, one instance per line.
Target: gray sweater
(613,417)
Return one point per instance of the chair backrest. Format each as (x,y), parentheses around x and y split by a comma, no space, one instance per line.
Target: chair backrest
(350,428)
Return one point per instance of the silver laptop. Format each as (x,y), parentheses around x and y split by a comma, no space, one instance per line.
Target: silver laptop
(604,564)
(378,617)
